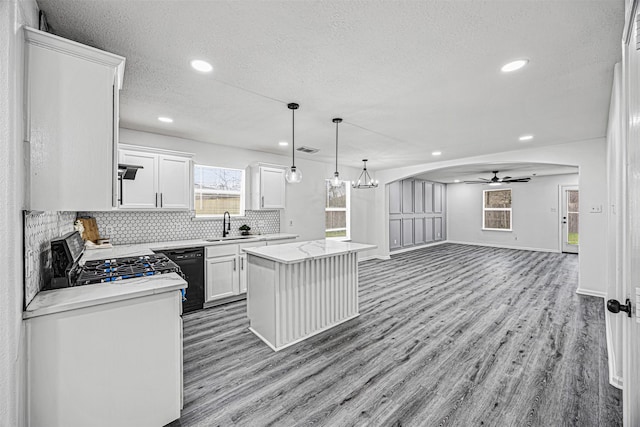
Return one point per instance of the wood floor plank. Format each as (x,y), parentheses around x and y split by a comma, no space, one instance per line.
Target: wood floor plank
(451,335)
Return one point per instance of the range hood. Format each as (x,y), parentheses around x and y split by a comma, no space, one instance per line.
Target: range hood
(127,171)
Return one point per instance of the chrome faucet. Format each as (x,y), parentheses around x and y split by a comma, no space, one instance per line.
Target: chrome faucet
(226,226)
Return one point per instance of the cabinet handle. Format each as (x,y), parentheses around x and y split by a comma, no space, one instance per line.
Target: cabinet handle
(241,263)
(234,264)
(262,203)
(156,200)
(161,203)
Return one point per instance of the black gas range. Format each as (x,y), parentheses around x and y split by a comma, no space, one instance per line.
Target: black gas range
(67,271)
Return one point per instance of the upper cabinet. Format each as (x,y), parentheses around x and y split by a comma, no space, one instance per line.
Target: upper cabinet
(71,94)
(267,187)
(164,181)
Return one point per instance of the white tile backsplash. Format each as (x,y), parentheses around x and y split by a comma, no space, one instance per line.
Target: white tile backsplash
(39,229)
(144,227)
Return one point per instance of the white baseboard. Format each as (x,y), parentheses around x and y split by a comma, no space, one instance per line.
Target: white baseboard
(591,293)
(413,248)
(493,245)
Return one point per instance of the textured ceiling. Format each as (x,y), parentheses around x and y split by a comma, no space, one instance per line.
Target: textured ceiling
(407,77)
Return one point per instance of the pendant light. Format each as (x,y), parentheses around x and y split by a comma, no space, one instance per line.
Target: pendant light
(365,180)
(336,181)
(293,174)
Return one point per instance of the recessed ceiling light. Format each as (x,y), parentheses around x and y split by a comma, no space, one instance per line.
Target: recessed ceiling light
(202,66)
(456,180)
(436,153)
(514,65)
(526,138)
(165,119)
(283,143)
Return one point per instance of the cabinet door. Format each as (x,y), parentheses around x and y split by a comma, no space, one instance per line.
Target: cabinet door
(395,197)
(222,277)
(70,130)
(174,182)
(243,273)
(395,229)
(272,188)
(407,232)
(418,197)
(437,198)
(407,196)
(428,197)
(141,192)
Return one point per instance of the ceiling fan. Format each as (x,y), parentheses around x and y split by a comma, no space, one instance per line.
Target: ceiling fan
(497,181)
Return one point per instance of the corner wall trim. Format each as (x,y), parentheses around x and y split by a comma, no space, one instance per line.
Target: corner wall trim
(493,245)
(591,293)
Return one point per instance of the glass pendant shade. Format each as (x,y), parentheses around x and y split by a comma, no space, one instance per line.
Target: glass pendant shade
(335,181)
(293,174)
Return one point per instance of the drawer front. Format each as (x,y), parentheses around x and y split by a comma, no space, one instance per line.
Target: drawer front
(222,250)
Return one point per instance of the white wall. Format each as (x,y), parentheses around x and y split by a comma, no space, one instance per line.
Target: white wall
(535,214)
(304,213)
(12,176)
(589,156)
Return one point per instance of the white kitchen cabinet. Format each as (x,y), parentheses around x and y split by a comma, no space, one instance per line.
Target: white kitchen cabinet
(72,98)
(226,273)
(164,182)
(223,279)
(268,187)
(112,364)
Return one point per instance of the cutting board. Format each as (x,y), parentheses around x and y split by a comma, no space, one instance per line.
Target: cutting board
(90,229)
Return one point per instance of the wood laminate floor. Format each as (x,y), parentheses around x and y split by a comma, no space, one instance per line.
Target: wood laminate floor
(451,335)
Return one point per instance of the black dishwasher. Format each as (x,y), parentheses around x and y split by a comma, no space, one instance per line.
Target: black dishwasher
(191,262)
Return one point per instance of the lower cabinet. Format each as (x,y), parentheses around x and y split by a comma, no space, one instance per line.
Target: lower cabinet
(113,364)
(226,270)
(222,277)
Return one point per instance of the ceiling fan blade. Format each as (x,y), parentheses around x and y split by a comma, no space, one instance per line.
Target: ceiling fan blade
(518,180)
(485,179)
(506,177)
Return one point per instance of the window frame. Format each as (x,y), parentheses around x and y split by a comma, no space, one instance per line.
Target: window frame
(347,211)
(197,191)
(485,209)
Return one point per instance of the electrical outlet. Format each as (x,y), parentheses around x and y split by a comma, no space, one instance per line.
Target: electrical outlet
(290,223)
(109,230)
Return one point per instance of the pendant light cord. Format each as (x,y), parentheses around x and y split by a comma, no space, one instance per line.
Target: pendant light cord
(337,146)
(293,137)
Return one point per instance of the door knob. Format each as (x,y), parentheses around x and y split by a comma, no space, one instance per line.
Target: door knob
(615,307)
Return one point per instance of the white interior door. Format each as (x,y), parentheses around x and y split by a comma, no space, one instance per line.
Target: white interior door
(631,255)
(570,219)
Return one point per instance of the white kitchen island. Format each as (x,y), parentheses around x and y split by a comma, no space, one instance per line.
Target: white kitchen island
(300,289)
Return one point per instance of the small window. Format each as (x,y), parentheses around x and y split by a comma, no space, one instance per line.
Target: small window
(496,213)
(218,190)
(337,211)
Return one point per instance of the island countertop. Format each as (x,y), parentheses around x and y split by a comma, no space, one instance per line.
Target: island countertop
(290,253)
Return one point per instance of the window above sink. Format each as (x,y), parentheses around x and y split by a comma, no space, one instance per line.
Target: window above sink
(218,190)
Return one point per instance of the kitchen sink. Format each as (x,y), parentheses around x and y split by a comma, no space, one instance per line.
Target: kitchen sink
(225,239)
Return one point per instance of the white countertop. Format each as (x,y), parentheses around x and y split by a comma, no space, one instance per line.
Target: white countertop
(120,251)
(65,299)
(58,300)
(289,253)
